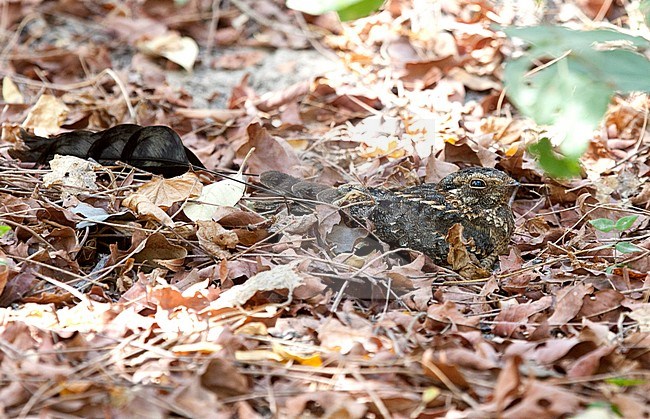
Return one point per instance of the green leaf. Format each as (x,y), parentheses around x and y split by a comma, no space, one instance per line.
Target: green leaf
(627,247)
(4,230)
(562,95)
(603,224)
(644,8)
(361,9)
(557,39)
(598,410)
(626,222)
(346,9)
(554,164)
(625,382)
(584,69)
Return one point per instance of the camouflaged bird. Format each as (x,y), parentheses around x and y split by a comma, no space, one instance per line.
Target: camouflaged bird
(421,217)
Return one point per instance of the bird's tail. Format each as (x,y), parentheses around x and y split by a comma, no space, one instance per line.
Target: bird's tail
(285,184)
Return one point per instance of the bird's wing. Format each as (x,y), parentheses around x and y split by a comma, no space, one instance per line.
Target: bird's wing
(283,183)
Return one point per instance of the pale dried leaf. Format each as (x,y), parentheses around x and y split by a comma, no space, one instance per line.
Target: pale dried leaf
(142,205)
(226,193)
(10,92)
(165,192)
(181,50)
(46,116)
(280,277)
(74,174)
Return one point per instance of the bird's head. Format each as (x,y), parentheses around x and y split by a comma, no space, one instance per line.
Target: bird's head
(478,187)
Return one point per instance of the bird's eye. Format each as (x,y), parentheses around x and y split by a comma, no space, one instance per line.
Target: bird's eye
(477,184)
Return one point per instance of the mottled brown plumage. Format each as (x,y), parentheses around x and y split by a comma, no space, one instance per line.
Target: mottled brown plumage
(420,217)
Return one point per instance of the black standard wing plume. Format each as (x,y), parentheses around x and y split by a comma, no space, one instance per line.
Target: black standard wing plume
(157,149)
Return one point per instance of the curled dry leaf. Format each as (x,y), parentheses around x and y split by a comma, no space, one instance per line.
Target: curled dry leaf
(152,198)
(459,258)
(142,206)
(158,252)
(227,193)
(280,277)
(46,116)
(215,239)
(438,368)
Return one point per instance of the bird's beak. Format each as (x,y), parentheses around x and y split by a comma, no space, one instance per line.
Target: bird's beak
(514,184)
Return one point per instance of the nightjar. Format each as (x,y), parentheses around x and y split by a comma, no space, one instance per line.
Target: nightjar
(420,217)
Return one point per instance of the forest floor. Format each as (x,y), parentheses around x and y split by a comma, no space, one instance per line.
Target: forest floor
(117,300)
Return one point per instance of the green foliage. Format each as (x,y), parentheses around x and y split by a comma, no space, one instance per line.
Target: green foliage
(599,409)
(4,230)
(644,8)
(346,9)
(571,91)
(626,247)
(606,225)
(603,224)
(626,222)
(552,163)
(625,382)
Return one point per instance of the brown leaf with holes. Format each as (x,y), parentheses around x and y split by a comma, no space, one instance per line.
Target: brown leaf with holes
(215,239)
(459,258)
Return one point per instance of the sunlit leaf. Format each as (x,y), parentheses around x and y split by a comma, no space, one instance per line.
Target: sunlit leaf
(625,382)
(4,230)
(571,89)
(181,50)
(626,222)
(626,247)
(554,164)
(226,193)
(430,394)
(47,115)
(603,224)
(10,92)
(346,9)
